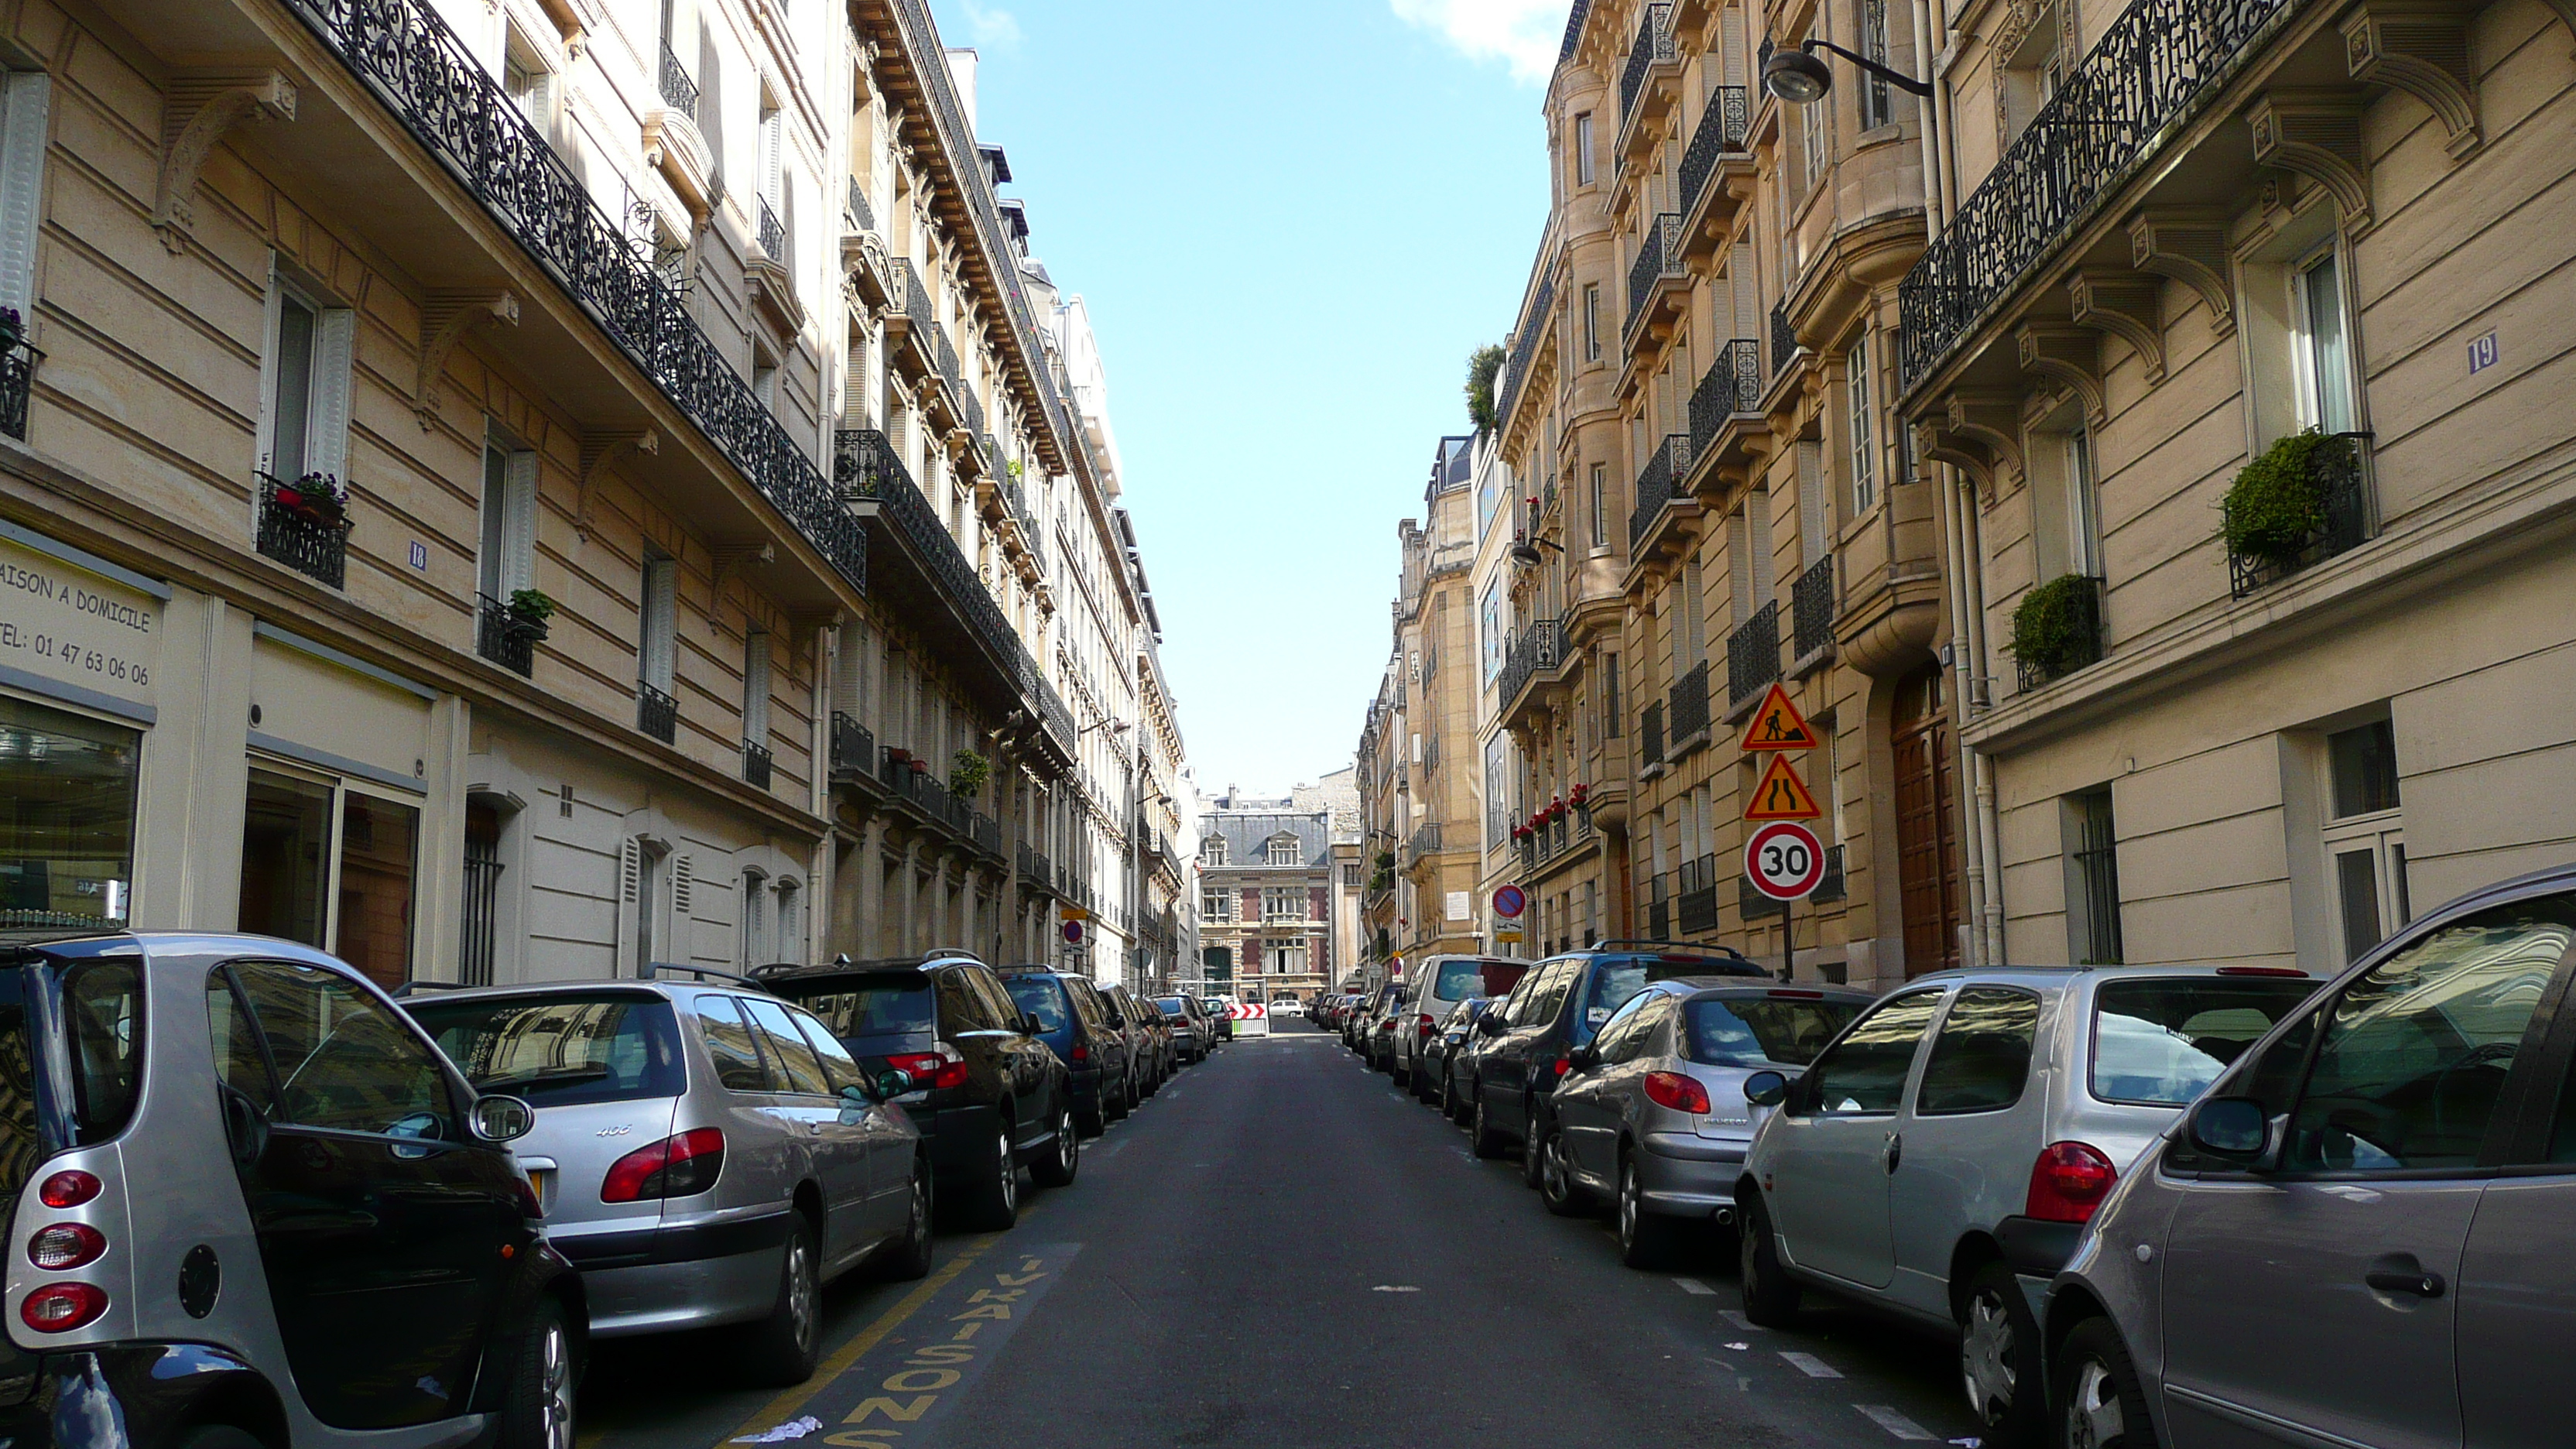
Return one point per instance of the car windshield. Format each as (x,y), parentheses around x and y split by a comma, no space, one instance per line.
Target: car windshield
(1744,1033)
(559,1050)
(1613,982)
(897,1006)
(1459,980)
(1041,998)
(2162,1042)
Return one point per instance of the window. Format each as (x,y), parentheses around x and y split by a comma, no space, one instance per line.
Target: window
(344,1063)
(580,1047)
(1583,150)
(1287,959)
(1600,506)
(330,867)
(305,425)
(793,1066)
(67,839)
(1592,321)
(755,927)
(509,517)
(1351,876)
(658,620)
(729,1045)
(2092,880)
(1213,852)
(1747,1032)
(1610,693)
(1877,108)
(2365,836)
(1286,850)
(1866,1072)
(2325,362)
(1864,434)
(1283,903)
(1216,904)
(756,688)
(2083,505)
(1981,1059)
(23,98)
(961,1007)
(528,83)
(1811,140)
(2162,1042)
(791,926)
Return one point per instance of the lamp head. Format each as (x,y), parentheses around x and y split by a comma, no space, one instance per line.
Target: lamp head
(1796,76)
(1523,553)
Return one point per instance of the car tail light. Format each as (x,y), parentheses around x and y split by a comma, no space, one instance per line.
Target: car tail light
(531,1206)
(940,1069)
(1422,1026)
(1676,1092)
(62,1307)
(1562,1064)
(67,1189)
(65,1246)
(1081,1053)
(2068,1182)
(2262,971)
(676,1166)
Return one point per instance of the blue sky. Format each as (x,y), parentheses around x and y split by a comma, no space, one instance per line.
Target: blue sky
(1291,224)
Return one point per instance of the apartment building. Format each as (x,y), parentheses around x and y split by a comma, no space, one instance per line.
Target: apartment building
(1267,870)
(527,491)
(2251,411)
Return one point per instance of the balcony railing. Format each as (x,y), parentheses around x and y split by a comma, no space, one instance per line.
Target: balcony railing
(1540,646)
(1690,703)
(1811,609)
(1659,911)
(1525,345)
(17,380)
(1751,902)
(504,637)
(1659,256)
(2342,462)
(2155,65)
(1720,133)
(756,765)
(679,89)
(862,217)
(443,93)
(1650,735)
(2081,642)
(1654,46)
(656,714)
(1655,482)
(1573,30)
(1697,901)
(1753,654)
(1784,338)
(299,529)
(1830,886)
(1731,387)
(773,236)
(854,745)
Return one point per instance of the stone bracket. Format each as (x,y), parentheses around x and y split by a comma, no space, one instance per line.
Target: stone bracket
(444,321)
(1979,433)
(2190,246)
(597,456)
(2068,356)
(733,558)
(2317,135)
(2122,303)
(202,108)
(2423,51)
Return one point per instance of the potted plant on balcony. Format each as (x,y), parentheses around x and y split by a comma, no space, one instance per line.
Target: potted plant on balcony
(529,612)
(13,329)
(316,498)
(2277,505)
(2057,627)
(1580,796)
(967,772)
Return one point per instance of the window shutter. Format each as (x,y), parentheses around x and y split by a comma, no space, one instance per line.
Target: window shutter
(334,346)
(22,177)
(630,859)
(1757,518)
(1748,295)
(755,688)
(518,523)
(654,663)
(1811,502)
(683,872)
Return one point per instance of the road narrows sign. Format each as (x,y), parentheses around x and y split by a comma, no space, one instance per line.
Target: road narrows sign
(1777,725)
(1784,861)
(1781,795)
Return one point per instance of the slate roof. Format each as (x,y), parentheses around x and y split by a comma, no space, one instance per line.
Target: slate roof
(1248,834)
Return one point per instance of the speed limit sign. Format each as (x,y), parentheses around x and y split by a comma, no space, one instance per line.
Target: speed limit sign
(1784,861)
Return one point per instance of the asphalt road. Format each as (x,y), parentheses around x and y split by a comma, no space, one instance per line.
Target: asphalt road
(1280,1249)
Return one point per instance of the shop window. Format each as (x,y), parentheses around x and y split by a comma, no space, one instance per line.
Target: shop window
(67,793)
(331,867)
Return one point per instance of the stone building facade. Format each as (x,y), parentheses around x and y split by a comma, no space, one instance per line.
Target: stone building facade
(1267,872)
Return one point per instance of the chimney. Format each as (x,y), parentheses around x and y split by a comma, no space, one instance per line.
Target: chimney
(961,74)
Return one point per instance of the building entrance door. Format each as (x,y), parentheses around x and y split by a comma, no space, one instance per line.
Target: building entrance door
(1927,829)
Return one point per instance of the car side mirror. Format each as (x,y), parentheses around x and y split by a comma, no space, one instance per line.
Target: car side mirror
(1766,1089)
(1489,1025)
(1030,1025)
(2233,1128)
(1583,1058)
(893,1082)
(245,1127)
(500,1118)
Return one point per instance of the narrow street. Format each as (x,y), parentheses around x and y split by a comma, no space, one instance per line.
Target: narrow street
(1281,1250)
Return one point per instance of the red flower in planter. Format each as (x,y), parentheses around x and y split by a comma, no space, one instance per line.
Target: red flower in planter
(1579,794)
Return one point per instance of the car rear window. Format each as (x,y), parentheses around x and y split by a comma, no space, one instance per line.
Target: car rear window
(1669,968)
(894,1007)
(1612,984)
(1172,1006)
(2162,1041)
(1041,997)
(1740,1033)
(103,1011)
(1459,980)
(560,1050)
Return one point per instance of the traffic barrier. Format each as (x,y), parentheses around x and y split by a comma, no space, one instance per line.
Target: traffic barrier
(1250,1019)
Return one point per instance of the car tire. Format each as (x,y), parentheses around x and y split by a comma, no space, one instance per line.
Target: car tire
(1532,1135)
(1480,1133)
(1646,1240)
(1063,1157)
(1115,1105)
(1448,1096)
(1422,1089)
(1556,1185)
(1093,1120)
(2100,1403)
(993,1203)
(908,1257)
(1999,1359)
(1770,1297)
(781,1350)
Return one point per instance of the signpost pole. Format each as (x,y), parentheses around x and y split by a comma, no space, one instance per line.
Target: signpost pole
(1788,940)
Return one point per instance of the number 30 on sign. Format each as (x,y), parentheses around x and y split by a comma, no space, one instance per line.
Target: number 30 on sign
(1784,861)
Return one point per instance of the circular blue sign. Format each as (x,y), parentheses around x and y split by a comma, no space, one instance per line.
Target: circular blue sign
(1509,902)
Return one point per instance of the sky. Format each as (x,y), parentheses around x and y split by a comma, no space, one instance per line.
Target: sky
(1291,223)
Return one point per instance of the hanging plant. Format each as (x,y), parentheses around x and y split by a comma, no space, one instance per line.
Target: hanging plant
(967,772)
(2277,505)
(2057,627)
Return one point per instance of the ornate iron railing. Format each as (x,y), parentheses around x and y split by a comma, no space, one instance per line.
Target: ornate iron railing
(1573,30)
(1696,906)
(313,546)
(1659,257)
(431,81)
(1540,646)
(1830,887)
(1753,654)
(862,216)
(866,466)
(17,381)
(1650,735)
(1751,902)
(2342,462)
(854,745)
(1732,386)
(2156,65)
(756,765)
(1784,338)
(656,714)
(773,235)
(1659,910)
(1689,714)
(1665,466)
(1720,133)
(1653,46)
(1525,345)
(679,88)
(1811,609)
(505,638)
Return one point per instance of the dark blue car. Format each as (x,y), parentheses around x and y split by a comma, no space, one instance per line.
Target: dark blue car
(1074,1020)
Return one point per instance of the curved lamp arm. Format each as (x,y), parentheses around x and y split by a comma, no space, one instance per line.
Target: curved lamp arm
(1905,83)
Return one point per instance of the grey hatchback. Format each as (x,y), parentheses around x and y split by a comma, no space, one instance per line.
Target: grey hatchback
(707,1155)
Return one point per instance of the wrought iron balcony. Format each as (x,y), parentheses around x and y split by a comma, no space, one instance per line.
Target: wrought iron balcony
(756,765)
(1732,387)
(1811,609)
(679,89)
(1659,910)
(1784,338)
(1690,704)
(2342,463)
(866,466)
(986,832)
(1540,646)
(305,526)
(505,638)
(1750,902)
(1697,901)
(1650,735)
(861,216)
(1659,260)
(656,714)
(1830,886)
(1665,466)
(1653,46)
(17,380)
(2155,65)
(773,235)
(1525,345)
(1720,132)
(1753,654)
(1573,30)
(854,746)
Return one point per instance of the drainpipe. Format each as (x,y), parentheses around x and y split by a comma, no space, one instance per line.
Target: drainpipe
(1989,818)
(1945,154)
(1935,124)
(1954,502)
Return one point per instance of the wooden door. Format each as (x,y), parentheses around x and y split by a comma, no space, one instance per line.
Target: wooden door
(1927,824)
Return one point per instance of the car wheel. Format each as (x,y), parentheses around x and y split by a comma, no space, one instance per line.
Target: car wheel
(1480,1132)
(1423,1091)
(1094,1120)
(537,1408)
(1556,1185)
(993,1204)
(1646,1240)
(1063,1158)
(1770,1298)
(1999,1362)
(1532,1135)
(1448,1097)
(781,1350)
(2102,1405)
(908,1257)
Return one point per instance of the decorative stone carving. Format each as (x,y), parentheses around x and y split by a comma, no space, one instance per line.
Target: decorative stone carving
(2422,50)
(1980,433)
(201,109)
(444,321)
(2190,246)
(597,456)
(2317,135)
(2068,356)
(2122,303)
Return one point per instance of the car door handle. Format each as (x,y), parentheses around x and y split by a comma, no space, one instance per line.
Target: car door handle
(2417,1284)
(1895,1151)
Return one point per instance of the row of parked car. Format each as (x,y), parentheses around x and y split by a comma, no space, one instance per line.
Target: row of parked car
(2154,1205)
(265,1203)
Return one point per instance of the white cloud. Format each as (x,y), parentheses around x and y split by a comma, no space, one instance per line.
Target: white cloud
(992,26)
(1523,34)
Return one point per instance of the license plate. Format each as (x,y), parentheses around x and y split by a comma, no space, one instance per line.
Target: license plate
(543,1181)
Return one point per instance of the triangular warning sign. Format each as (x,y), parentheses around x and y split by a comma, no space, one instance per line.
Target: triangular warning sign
(1777,725)
(1781,795)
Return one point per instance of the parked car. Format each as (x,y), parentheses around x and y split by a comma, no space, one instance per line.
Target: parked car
(1433,1079)
(1954,1140)
(1190,1043)
(708,1156)
(1555,1007)
(176,1109)
(1287,1004)
(1220,1016)
(2360,1235)
(1153,1038)
(1073,1020)
(1376,1023)
(1439,984)
(988,1096)
(1651,1115)
(1364,1016)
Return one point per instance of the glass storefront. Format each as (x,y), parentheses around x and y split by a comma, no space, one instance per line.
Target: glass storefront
(67,791)
(286,838)
(331,867)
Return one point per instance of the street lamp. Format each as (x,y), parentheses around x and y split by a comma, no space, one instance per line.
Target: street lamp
(1797,76)
(1527,554)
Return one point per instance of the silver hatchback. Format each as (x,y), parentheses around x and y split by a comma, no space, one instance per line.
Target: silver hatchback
(1941,1157)
(706,1155)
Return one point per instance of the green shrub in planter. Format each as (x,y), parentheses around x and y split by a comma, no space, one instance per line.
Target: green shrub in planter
(2057,627)
(967,772)
(2277,505)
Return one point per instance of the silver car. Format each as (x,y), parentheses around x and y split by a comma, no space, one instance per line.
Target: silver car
(707,1155)
(2362,1234)
(1651,1114)
(1941,1157)
(1438,985)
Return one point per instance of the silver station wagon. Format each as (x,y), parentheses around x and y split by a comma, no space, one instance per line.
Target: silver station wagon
(707,1155)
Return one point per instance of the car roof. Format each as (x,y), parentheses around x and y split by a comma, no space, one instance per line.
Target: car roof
(878,966)
(2059,976)
(1708,988)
